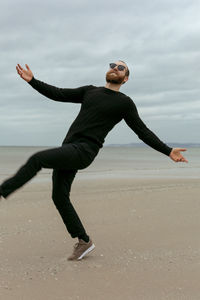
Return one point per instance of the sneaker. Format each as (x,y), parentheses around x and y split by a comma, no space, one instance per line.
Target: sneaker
(81,249)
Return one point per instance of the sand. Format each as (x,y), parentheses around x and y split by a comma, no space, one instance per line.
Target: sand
(146,233)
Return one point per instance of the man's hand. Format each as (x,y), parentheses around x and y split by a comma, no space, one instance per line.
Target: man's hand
(176,155)
(27,75)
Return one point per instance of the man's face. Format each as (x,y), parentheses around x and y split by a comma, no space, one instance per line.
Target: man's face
(115,76)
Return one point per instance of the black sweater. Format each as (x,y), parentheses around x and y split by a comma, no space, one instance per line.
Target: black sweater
(101,109)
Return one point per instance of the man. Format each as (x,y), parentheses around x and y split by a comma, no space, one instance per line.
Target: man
(101,109)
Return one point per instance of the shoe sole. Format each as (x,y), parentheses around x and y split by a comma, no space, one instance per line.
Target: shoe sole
(86,252)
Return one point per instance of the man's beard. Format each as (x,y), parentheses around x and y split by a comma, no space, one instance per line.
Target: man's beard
(114,79)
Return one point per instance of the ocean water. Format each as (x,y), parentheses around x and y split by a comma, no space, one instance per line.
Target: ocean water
(112,162)
(144,162)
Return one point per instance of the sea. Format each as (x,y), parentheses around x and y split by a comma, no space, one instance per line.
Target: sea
(112,161)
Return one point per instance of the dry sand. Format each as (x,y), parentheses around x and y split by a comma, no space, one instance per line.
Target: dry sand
(146,233)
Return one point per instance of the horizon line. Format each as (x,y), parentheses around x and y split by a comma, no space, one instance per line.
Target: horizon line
(110,144)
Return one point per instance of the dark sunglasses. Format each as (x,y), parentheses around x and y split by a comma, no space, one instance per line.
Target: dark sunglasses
(119,67)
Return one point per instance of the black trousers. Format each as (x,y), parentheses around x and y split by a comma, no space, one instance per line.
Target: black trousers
(65,162)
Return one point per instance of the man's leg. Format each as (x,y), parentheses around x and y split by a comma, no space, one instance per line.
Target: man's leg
(65,161)
(65,157)
(62,181)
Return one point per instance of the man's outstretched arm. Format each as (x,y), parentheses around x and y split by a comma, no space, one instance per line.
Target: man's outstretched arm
(148,137)
(58,94)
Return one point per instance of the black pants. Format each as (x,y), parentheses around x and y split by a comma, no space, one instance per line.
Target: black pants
(65,162)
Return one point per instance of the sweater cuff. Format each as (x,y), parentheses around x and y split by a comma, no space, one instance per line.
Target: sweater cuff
(169,151)
(31,82)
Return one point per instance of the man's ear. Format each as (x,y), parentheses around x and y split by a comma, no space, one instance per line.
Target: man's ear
(125,79)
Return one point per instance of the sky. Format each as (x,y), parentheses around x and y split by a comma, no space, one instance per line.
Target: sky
(71,43)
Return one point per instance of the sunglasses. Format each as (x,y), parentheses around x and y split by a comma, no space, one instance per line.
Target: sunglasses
(119,67)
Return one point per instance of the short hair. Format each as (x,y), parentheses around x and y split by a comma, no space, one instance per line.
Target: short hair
(127,70)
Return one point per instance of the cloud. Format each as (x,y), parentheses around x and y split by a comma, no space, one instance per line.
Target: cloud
(69,44)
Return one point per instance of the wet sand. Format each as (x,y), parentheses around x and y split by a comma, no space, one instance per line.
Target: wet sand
(146,233)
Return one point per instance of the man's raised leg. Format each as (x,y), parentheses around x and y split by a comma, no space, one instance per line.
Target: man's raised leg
(66,157)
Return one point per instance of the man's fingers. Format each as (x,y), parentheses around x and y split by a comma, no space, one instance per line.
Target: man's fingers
(18,71)
(183,159)
(182,149)
(20,67)
(27,67)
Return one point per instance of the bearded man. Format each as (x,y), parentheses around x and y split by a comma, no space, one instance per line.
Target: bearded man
(101,109)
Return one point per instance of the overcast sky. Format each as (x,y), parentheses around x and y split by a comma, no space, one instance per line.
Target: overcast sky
(70,44)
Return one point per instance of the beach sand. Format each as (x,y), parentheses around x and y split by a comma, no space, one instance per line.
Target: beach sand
(146,233)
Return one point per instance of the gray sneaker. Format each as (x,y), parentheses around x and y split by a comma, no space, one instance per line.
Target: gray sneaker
(81,249)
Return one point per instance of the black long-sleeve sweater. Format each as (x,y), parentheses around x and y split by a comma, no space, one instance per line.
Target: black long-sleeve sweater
(101,109)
